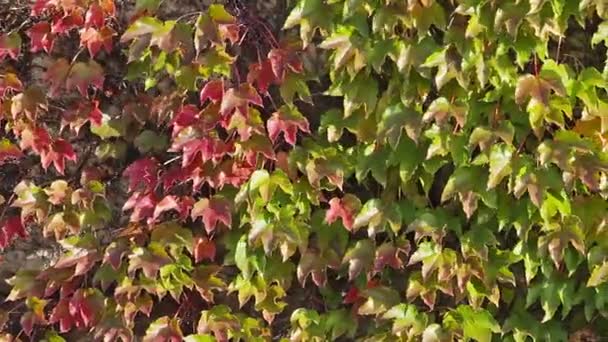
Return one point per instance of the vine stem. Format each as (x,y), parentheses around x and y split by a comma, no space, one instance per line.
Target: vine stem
(6,206)
(191,14)
(559,47)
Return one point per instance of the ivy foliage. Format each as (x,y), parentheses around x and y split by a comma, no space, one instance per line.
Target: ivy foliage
(385,170)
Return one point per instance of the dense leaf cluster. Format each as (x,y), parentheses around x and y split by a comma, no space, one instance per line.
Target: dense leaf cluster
(447,179)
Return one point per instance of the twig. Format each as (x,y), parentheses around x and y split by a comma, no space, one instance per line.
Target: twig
(522,144)
(559,47)
(184,16)
(6,206)
(172,160)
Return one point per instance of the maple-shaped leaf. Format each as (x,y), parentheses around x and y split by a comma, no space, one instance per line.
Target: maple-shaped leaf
(378,299)
(111,327)
(56,75)
(256,145)
(115,252)
(29,103)
(281,59)
(239,99)
(94,39)
(37,139)
(315,263)
(149,260)
(82,75)
(10,45)
(61,314)
(212,90)
(182,205)
(81,113)
(9,151)
(59,151)
(143,205)
(164,329)
(215,26)
(41,37)
(62,25)
(203,249)
(60,224)
(391,255)
(82,310)
(94,16)
(185,117)
(288,120)
(538,88)
(207,148)
(81,261)
(142,173)
(213,210)
(11,228)
(262,75)
(359,258)
(345,208)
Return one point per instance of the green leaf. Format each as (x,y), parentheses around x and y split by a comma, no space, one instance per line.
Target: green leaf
(501,156)
(150,141)
(475,324)
(599,275)
(200,338)
(394,120)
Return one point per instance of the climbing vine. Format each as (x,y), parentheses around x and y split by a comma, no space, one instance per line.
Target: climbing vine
(376,170)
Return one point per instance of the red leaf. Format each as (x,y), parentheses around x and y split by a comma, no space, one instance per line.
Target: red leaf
(204,249)
(94,16)
(80,113)
(60,151)
(39,6)
(229,31)
(214,210)
(95,39)
(61,314)
(8,151)
(81,310)
(281,59)
(207,147)
(37,139)
(66,23)
(82,75)
(181,205)
(142,173)
(143,205)
(95,115)
(388,254)
(352,295)
(175,175)
(185,117)
(213,90)
(262,75)
(10,45)
(343,208)
(41,37)
(114,254)
(239,99)
(287,120)
(11,228)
